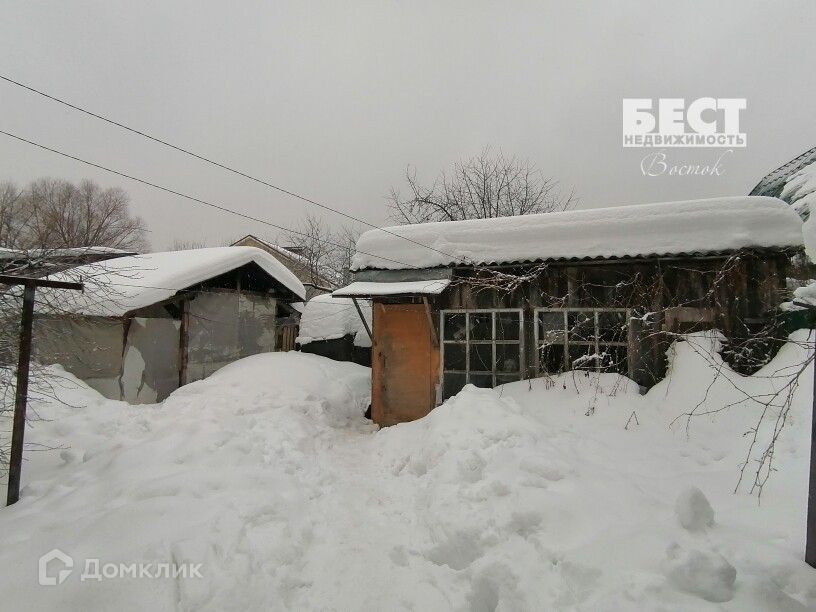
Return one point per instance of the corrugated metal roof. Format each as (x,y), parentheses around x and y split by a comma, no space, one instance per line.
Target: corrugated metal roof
(773,183)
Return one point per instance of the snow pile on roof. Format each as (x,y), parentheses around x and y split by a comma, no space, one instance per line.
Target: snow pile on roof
(116,286)
(507,499)
(800,190)
(668,228)
(368,288)
(328,318)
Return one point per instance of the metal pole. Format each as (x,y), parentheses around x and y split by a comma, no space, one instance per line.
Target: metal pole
(810,538)
(362,318)
(21,396)
(810,542)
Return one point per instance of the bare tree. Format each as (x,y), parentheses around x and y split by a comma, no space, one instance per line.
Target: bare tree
(345,242)
(61,214)
(488,185)
(13,216)
(326,253)
(312,242)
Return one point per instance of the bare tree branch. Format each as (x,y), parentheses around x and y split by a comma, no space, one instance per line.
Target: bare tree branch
(488,185)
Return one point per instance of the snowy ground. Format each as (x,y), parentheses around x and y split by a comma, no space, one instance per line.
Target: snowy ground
(508,499)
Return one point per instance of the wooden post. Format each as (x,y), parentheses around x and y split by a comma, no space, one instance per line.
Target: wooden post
(184,332)
(810,539)
(434,337)
(20,397)
(362,318)
(23,365)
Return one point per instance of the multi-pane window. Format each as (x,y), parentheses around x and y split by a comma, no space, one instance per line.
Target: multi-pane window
(481,347)
(581,339)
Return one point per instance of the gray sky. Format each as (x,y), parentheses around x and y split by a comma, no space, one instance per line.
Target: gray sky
(334,100)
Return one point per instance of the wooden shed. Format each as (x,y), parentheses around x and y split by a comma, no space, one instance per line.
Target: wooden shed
(148,324)
(487,302)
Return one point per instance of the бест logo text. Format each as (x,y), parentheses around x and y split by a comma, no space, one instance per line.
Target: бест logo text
(670,122)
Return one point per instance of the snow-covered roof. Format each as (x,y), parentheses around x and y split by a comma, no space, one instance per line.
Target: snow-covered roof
(800,190)
(327,318)
(116,286)
(663,229)
(371,289)
(277,248)
(301,263)
(773,183)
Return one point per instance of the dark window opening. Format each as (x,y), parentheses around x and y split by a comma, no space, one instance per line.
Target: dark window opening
(481,347)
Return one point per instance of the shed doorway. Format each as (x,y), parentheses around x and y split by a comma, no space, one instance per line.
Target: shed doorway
(404,378)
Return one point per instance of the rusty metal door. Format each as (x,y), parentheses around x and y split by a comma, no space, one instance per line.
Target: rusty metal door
(404,364)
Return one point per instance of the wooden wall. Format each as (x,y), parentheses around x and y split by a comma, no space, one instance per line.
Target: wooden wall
(738,295)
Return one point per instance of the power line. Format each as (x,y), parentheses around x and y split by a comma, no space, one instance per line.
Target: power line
(218,164)
(189,197)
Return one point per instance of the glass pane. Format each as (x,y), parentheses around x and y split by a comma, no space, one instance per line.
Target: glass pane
(551,358)
(582,357)
(612,326)
(507,378)
(551,327)
(507,326)
(481,326)
(455,326)
(613,359)
(581,326)
(454,356)
(481,357)
(507,358)
(482,380)
(452,385)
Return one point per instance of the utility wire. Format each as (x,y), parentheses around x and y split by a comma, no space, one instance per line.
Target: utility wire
(189,197)
(219,164)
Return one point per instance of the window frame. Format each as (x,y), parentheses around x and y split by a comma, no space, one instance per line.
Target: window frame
(596,343)
(493,342)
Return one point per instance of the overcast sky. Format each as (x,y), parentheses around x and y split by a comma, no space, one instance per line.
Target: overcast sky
(334,100)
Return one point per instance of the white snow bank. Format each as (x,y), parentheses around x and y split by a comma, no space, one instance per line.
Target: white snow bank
(556,494)
(225,472)
(327,318)
(668,228)
(116,286)
(708,575)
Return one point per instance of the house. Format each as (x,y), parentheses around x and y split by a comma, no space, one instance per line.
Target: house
(336,328)
(315,283)
(147,324)
(492,301)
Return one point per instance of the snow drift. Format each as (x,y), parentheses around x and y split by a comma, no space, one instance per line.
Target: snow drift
(328,318)
(569,493)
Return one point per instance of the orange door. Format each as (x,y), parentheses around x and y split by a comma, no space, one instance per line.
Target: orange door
(404,364)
